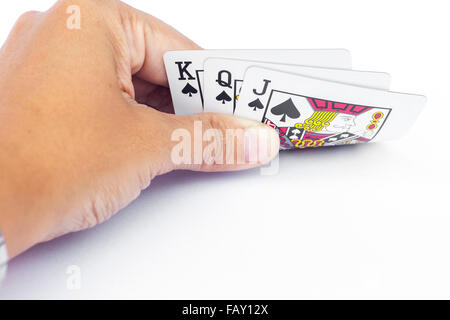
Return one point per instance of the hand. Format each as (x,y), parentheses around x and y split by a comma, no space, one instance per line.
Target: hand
(78,140)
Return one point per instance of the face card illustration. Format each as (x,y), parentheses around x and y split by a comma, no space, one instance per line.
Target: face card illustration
(328,113)
(252,108)
(289,136)
(312,122)
(295,134)
(285,142)
(185,71)
(339,138)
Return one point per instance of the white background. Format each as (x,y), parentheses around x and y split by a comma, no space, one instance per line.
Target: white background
(348,222)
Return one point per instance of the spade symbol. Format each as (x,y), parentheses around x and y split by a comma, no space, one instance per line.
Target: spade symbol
(223,96)
(295,134)
(256,104)
(286,108)
(188,89)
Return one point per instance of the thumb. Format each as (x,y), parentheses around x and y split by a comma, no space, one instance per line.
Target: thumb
(217,142)
(207,142)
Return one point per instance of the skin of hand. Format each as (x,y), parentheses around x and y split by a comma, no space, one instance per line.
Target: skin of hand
(86,118)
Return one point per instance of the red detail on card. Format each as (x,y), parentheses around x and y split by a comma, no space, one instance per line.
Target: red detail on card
(362,139)
(282,130)
(331,106)
(315,136)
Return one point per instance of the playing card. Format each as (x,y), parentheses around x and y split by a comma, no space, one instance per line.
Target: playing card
(185,69)
(309,112)
(222,80)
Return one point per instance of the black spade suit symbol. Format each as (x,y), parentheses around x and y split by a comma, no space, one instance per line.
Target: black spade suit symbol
(188,89)
(256,104)
(223,96)
(286,108)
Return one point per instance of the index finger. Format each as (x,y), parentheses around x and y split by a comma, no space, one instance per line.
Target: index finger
(148,39)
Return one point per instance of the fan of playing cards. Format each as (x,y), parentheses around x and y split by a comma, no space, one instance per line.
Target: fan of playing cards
(311,97)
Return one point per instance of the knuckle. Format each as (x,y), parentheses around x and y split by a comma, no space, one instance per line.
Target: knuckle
(214,121)
(63,7)
(218,127)
(26,17)
(86,3)
(91,12)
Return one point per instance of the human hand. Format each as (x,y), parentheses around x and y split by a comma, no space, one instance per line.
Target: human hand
(78,140)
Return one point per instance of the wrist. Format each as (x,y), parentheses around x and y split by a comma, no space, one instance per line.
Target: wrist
(23,222)
(17,232)
(3,258)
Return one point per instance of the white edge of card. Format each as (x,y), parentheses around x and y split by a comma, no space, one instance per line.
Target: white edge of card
(387,78)
(386,86)
(262,49)
(347,62)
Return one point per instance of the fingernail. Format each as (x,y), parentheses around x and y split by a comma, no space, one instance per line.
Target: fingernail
(261,144)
